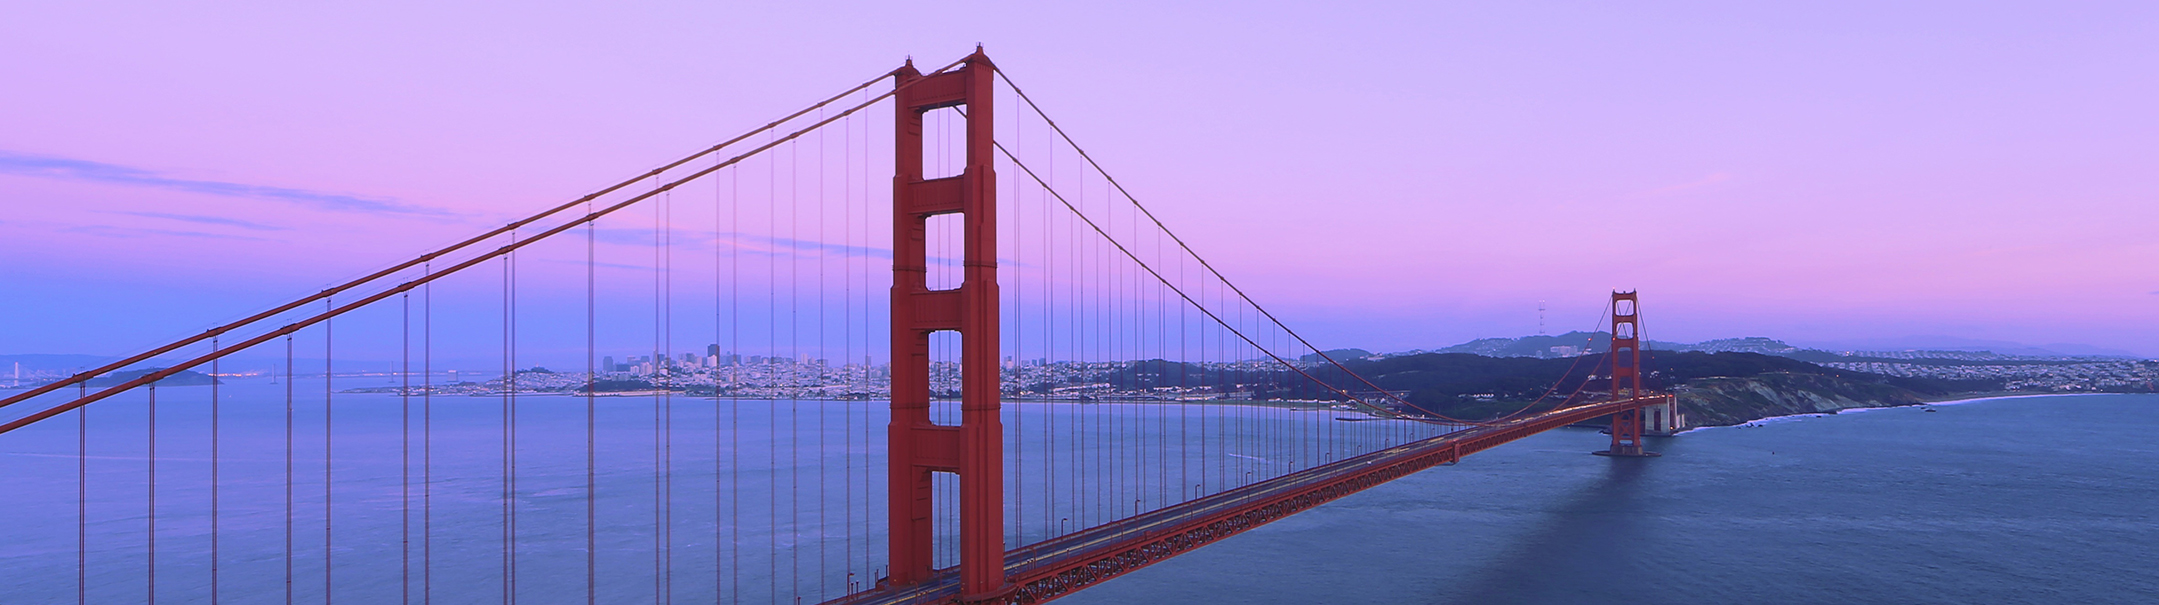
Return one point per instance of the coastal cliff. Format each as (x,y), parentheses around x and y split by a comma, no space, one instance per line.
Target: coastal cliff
(1723,401)
(183,378)
(1714,389)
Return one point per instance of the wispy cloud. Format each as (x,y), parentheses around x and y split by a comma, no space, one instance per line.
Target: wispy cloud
(603,265)
(208,220)
(802,248)
(130,233)
(744,242)
(99,172)
(763,245)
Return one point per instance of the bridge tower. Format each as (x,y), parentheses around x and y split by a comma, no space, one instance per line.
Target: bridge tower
(918,446)
(1626,357)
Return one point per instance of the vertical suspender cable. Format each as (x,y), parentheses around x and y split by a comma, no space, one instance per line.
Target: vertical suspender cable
(509,390)
(659,377)
(868,569)
(150,548)
(794,404)
(427,438)
(82,499)
(847,354)
(1125,442)
(1083,458)
(868,338)
(328,379)
(1184,409)
(719,519)
(667,398)
(404,450)
(1049,355)
(1015,536)
(659,371)
(734,407)
(858,267)
(288,469)
(819,370)
(503,439)
(591,393)
(1162,348)
(772,312)
(215,378)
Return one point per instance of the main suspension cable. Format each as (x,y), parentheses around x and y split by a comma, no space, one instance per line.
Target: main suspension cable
(27,420)
(513,225)
(1203,263)
(1187,297)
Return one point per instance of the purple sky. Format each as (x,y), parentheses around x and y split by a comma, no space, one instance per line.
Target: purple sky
(1387,176)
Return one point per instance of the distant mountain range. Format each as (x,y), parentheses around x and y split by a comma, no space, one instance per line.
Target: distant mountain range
(1724,388)
(1953,343)
(47,362)
(1578,343)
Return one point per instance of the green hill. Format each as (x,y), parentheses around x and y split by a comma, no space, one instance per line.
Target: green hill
(185,378)
(1474,387)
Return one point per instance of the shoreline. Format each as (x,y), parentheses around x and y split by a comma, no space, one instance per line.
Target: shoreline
(1953,400)
(1297,405)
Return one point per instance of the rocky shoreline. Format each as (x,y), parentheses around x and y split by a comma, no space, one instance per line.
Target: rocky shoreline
(1725,401)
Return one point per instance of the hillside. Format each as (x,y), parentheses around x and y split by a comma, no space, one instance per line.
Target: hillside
(1721,401)
(1573,343)
(183,378)
(1718,388)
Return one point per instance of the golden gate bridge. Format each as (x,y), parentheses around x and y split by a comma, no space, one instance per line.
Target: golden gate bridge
(1069,392)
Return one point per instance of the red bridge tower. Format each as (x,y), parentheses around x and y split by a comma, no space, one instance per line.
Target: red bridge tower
(1626,356)
(974,449)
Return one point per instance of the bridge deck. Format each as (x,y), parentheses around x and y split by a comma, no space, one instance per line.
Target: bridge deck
(1056,567)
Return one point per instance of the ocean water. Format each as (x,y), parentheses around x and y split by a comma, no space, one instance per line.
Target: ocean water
(761,501)
(2023,500)
(2041,500)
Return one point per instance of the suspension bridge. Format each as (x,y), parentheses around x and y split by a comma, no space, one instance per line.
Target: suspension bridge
(763,372)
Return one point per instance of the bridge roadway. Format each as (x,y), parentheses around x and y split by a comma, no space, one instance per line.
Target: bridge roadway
(1056,567)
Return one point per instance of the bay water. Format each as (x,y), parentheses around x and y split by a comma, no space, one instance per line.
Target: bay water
(2020,500)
